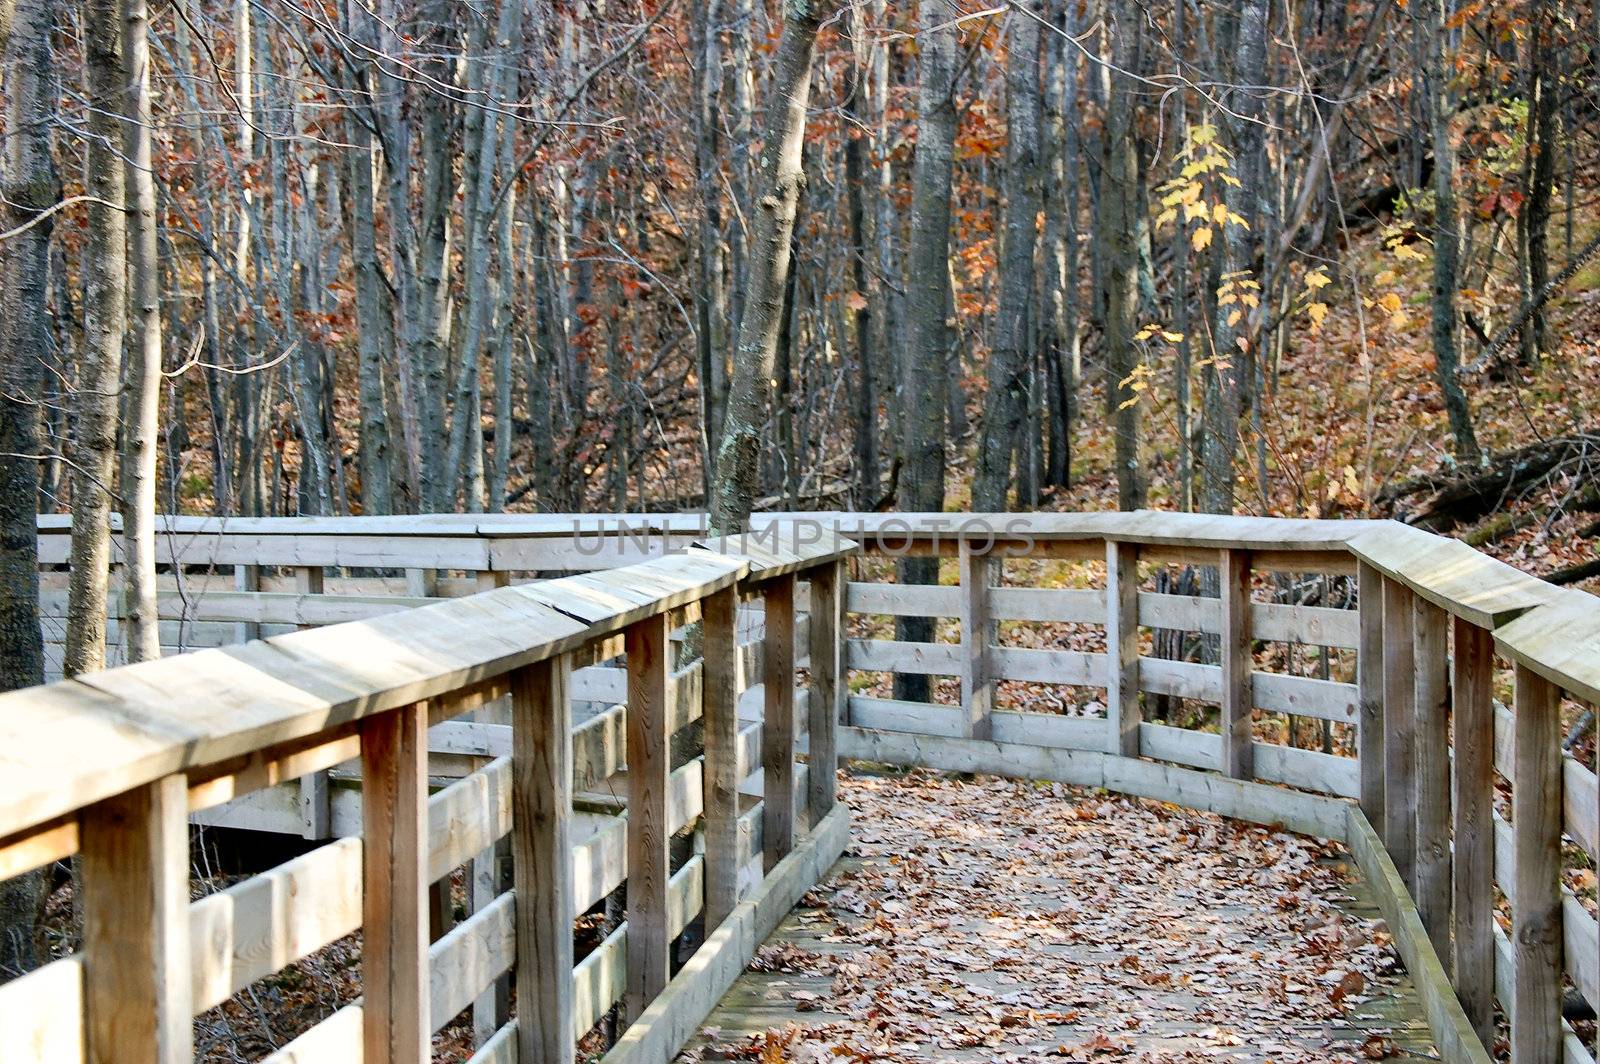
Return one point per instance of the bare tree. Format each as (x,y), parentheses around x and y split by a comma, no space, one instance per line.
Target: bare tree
(1118,227)
(105,322)
(755,353)
(28,188)
(1009,364)
(140,623)
(1446,237)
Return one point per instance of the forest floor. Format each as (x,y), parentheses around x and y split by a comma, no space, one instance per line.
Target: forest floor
(992,920)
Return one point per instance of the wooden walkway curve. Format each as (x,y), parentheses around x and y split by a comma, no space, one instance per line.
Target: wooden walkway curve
(983,920)
(1106,849)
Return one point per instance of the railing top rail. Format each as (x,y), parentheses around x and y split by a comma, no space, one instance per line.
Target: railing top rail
(1452,575)
(69,744)
(1560,641)
(1156,527)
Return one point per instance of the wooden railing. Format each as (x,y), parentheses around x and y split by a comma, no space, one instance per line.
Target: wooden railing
(1407,649)
(1337,678)
(109,767)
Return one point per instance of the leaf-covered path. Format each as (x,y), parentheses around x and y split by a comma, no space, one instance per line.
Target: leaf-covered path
(991,920)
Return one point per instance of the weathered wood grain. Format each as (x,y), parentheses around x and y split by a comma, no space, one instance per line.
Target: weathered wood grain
(394,954)
(1431,699)
(1536,831)
(649,767)
(1122,648)
(1399,732)
(541,843)
(135,895)
(1472,874)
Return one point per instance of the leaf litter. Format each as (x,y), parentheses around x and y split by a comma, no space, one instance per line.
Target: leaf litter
(996,920)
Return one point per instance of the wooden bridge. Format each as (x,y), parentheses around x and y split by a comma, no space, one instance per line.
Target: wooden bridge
(416,696)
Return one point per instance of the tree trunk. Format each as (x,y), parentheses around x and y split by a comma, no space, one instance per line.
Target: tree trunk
(855,170)
(1119,225)
(738,453)
(922,371)
(29,185)
(140,624)
(1446,239)
(1233,357)
(105,314)
(1009,363)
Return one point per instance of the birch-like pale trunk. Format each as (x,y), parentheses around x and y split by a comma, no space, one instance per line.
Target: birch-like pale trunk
(141,626)
(755,353)
(105,322)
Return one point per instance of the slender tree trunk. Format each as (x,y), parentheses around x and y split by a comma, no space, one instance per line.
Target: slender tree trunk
(28,186)
(1233,358)
(1446,239)
(1119,224)
(105,317)
(855,170)
(505,375)
(1009,361)
(1534,218)
(141,625)
(755,354)
(922,370)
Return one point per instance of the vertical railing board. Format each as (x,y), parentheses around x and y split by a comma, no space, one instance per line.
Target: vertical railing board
(1430,635)
(1369,683)
(977,632)
(649,767)
(541,843)
(486,872)
(1237,663)
(720,716)
(1399,733)
(1122,647)
(777,724)
(316,803)
(827,690)
(135,882)
(1536,848)
(1473,808)
(394,818)
(246,578)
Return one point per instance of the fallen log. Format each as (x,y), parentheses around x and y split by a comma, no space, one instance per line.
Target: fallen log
(1479,493)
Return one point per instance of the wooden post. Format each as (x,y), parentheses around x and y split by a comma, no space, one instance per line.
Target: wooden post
(422,583)
(316,802)
(1473,871)
(541,842)
(1238,661)
(246,578)
(1536,854)
(1369,684)
(394,951)
(1399,734)
(720,716)
(648,771)
(485,880)
(977,631)
(1122,647)
(135,881)
(1430,633)
(777,722)
(827,600)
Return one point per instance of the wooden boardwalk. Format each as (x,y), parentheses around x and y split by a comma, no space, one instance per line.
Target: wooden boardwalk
(1090,928)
